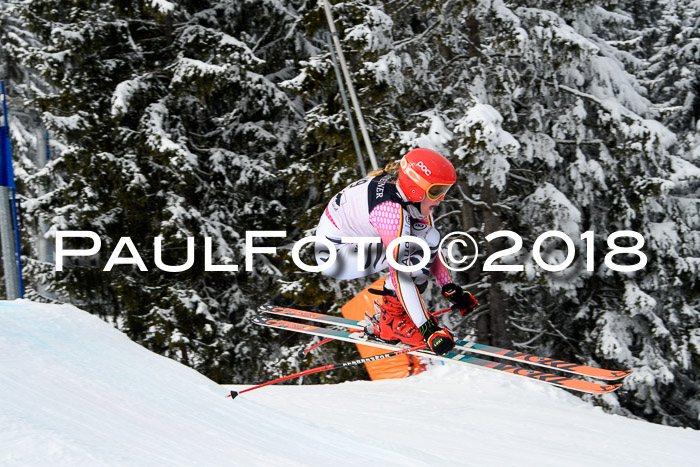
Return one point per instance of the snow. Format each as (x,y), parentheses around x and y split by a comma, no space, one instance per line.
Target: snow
(154,120)
(682,170)
(187,69)
(122,95)
(75,391)
(374,32)
(163,6)
(436,138)
(552,208)
(70,123)
(387,69)
(539,146)
(482,123)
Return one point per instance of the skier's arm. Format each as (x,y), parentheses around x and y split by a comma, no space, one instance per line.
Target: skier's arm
(438,268)
(439,271)
(391,221)
(461,299)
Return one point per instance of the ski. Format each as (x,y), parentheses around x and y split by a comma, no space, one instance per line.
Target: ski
(359,337)
(469,346)
(312,316)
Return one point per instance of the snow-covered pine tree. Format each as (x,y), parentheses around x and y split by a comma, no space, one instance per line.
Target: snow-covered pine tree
(553,132)
(593,157)
(166,123)
(673,76)
(672,49)
(28,137)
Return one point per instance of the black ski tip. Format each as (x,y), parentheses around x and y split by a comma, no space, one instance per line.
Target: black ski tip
(234,394)
(257,319)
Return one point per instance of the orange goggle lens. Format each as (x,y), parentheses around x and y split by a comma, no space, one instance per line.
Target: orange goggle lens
(437,191)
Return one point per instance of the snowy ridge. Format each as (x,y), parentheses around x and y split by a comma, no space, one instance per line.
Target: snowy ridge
(75,391)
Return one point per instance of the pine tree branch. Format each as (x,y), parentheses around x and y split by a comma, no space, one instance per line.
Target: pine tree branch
(456,211)
(419,37)
(523,179)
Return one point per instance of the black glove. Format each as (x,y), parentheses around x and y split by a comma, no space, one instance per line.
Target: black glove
(463,301)
(439,340)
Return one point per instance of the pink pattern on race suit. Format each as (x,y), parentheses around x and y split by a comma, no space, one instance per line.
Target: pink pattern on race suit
(328,215)
(440,271)
(387,218)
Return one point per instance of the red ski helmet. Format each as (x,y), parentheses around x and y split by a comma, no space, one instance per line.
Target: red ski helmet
(424,172)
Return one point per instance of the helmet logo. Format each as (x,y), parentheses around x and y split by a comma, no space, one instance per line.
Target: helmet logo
(413,175)
(425,169)
(408,170)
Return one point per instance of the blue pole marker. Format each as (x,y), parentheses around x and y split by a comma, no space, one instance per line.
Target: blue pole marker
(7,178)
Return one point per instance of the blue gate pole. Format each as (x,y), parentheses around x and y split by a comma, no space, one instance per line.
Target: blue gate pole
(10,250)
(15,224)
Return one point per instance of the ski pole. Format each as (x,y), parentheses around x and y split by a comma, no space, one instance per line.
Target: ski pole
(333,366)
(302,353)
(441,312)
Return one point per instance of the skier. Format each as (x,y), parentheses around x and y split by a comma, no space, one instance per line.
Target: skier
(394,202)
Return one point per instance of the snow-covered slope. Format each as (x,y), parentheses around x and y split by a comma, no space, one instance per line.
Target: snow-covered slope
(74,391)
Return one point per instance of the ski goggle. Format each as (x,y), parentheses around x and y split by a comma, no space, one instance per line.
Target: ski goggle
(437,191)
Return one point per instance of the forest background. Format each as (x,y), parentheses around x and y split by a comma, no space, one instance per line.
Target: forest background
(209,119)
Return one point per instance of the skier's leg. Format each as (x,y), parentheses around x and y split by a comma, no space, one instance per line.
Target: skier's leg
(392,321)
(346,264)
